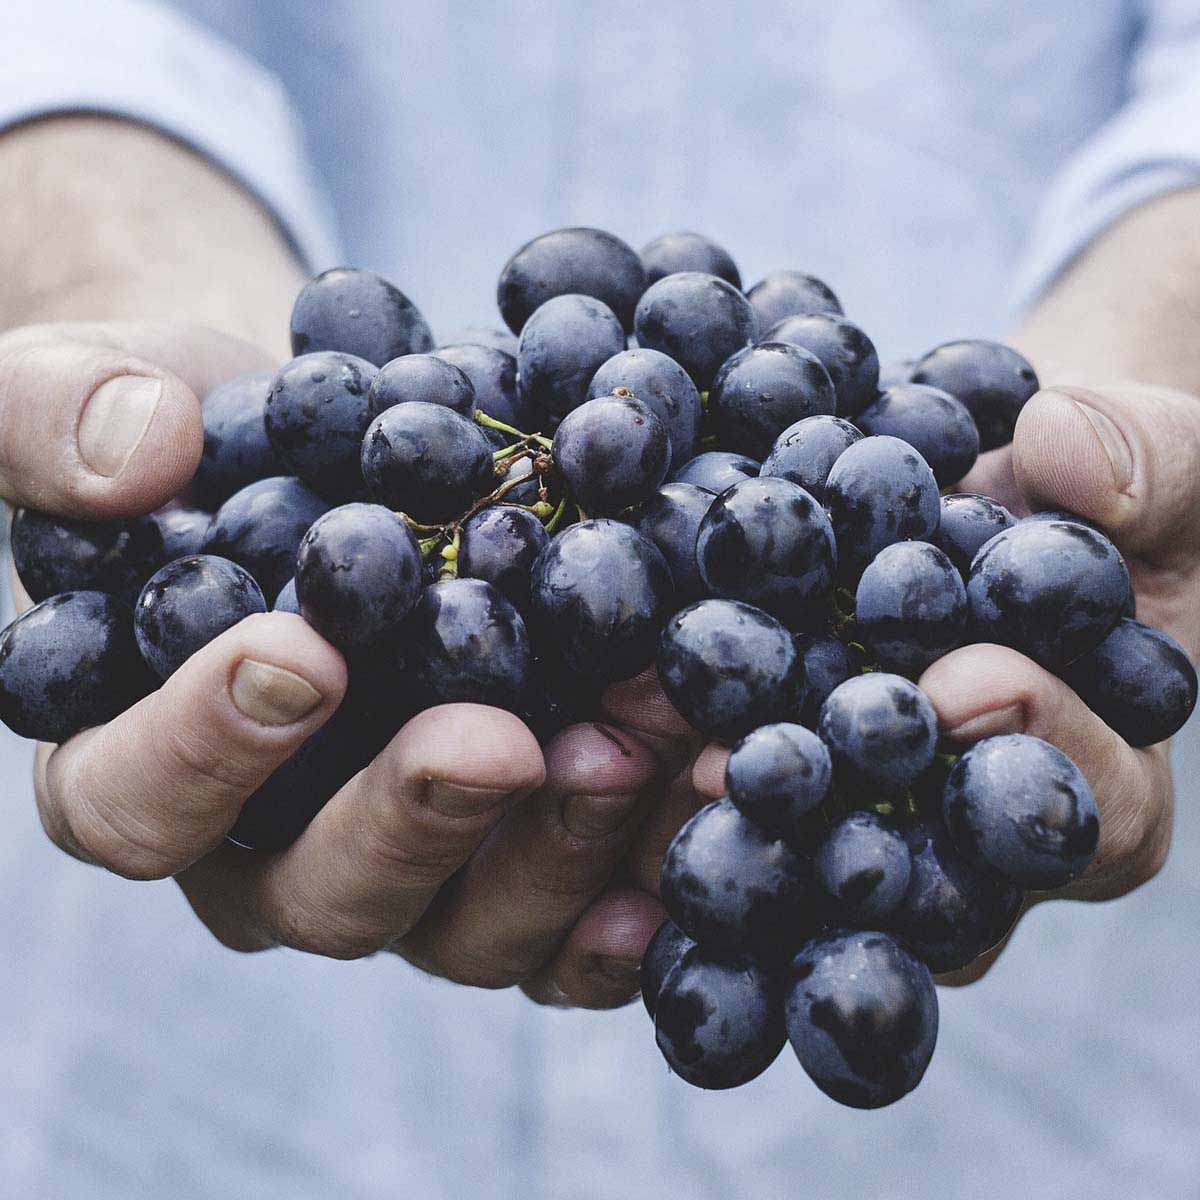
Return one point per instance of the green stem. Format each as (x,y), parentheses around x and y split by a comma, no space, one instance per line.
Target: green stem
(481,418)
(428,545)
(449,568)
(556,519)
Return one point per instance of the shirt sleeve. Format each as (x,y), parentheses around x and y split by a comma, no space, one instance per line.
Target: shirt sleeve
(143,61)
(1150,146)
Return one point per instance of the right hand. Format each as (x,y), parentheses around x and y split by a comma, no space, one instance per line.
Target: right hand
(462,846)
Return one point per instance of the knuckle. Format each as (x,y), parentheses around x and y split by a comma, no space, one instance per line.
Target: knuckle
(326,937)
(468,967)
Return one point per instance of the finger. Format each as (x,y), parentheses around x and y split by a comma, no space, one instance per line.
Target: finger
(520,895)
(158,787)
(104,421)
(1132,787)
(641,705)
(659,828)
(598,965)
(377,853)
(708,774)
(992,475)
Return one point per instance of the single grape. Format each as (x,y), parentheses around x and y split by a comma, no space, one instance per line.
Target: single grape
(57,554)
(896,372)
(728,668)
(189,602)
(881,732)
(733,886)
(69,663)
(260,528)
(556,699)
(862,1017)
(844,351)
(666,948)
(762,390)
(967,522)
(355,312)
(237,450)
(954,910)
(661,384)
(287,600)
(1139,681)
(500,545)
(358,575)
(493,375)
(587,262)
(719,1020)
(427,378)
(599,595)
(933,422)
(427,461)
(716,470)
(465,642)
(671,519)
(790,294)
(825,662)
(879,491)
(483,335)
(769,543)
(697,319)
(520,467)
(316,414)
(675,252)
(613,452)
(910,607)
(779,776)
(183,529)
(563,344)
(991,379)
(804,453)
(864,866)
(1052,589)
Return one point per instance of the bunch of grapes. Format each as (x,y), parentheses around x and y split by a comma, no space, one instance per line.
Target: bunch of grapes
(656,468)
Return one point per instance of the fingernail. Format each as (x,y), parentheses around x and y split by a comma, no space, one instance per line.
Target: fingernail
(270,694)
(1009,719)
(457,800)
(1112,440)
(596,816)
(115,420)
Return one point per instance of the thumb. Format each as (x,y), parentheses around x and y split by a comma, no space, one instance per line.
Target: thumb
(103,420)
(1127,458)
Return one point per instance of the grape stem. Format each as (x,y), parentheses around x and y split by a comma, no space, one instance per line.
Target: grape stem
(481,418)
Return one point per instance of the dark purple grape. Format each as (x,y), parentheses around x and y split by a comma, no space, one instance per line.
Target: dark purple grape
(844,351)
(789,294)
(287,600)
(183,529)
(237,450)
(427,461)
(911,607)
(967,522)
(482,335)
(863,864)
(358,575)
(896,372)
(762,390)
(355,312)
(556,699)
(668,945)
(804,453)
(260,528)
(716,470)
(1139,681)
(316,414)
(520,467)
(862,1017)
(879,491)
(825,663)
(70,663)
(464,642)
(423,378)
(728,668)
(671,519)
(563,344)
(675,252)
(587,262)
(697,319)
(881,732)
(188,603)
(613,452)
(499,546)
(493,375)
(719,1020)
(991,379)
(599,595)
(1052,589)
(931,421)
(779,776)
(661,384)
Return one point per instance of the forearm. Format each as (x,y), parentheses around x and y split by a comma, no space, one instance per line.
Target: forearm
(105,219)
(1129,307)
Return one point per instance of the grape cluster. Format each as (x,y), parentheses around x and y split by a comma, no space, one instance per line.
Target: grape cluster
(654,469)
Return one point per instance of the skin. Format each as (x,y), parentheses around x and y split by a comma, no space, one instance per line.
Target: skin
(464,846)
